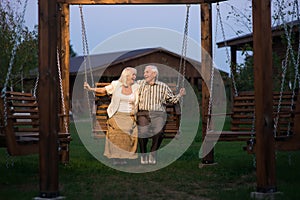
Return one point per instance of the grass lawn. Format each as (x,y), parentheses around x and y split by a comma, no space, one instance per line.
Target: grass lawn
(233,177)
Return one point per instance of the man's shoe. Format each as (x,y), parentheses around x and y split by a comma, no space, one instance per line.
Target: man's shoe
(144,160)
(152,159)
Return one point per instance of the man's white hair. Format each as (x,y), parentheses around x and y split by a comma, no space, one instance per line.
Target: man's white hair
(154,69)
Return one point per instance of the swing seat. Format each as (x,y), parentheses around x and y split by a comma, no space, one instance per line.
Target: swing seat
(21,131)
(242,118)
(171,128)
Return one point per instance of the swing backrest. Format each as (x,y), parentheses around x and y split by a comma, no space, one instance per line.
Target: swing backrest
(243,112)
(101,101)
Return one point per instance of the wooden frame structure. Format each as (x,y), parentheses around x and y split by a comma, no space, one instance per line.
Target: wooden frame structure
(53,34)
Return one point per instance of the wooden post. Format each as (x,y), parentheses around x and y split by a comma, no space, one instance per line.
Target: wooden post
(263,87)
(64,52)
(48,99)
(233,64)
(206,65)
(64,40)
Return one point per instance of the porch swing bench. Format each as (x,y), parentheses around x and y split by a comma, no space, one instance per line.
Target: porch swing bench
(20,122)
(102,101)
(242,118)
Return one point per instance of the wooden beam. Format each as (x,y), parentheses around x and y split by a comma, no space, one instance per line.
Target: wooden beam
(206,66)
(64,53)
(90,2)
(233,64)
(48,99)
(263,88)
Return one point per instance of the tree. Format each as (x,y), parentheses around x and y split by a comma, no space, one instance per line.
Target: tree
(14,34)
(72,52)
(284,13)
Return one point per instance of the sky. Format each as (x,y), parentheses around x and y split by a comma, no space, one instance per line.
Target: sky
(127,27)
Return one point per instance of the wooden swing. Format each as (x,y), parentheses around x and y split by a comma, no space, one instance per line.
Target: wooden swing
(21,129)
(172,126)
(242,117)
(102,101)
(21,126)
(286,115)
(20,123)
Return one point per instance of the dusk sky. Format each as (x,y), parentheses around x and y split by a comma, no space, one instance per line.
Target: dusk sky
(116,28)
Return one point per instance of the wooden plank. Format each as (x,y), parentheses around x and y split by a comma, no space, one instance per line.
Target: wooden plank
(19,93)
(26,123)
(26,129)
(21,98)
(102,106)
(23,104)
(28,141)
(90,2)
(27,134)
(16,117)
(22,110)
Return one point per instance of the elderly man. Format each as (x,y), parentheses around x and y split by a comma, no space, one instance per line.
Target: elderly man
(151,117)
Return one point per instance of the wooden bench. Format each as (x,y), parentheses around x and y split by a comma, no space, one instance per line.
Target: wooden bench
(102,101)
(242,118)
(20,122)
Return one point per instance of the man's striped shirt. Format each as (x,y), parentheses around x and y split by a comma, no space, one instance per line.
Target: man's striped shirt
(153,97)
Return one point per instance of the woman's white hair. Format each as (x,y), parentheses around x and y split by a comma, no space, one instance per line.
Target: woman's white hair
(125,73)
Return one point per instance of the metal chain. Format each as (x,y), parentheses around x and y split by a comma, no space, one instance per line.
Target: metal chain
(211,82)
(11,61)
(226,50)
(85,47)
(298,57)
(296,65)
(36,85)
(219,19)
(284,70)
(182,65)
(210,97)
(61,92)
(295,62)
(86,59)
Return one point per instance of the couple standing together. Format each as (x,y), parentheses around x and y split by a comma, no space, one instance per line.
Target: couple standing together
(136,113)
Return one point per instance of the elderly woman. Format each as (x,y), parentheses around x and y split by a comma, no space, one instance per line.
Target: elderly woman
(121,138)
